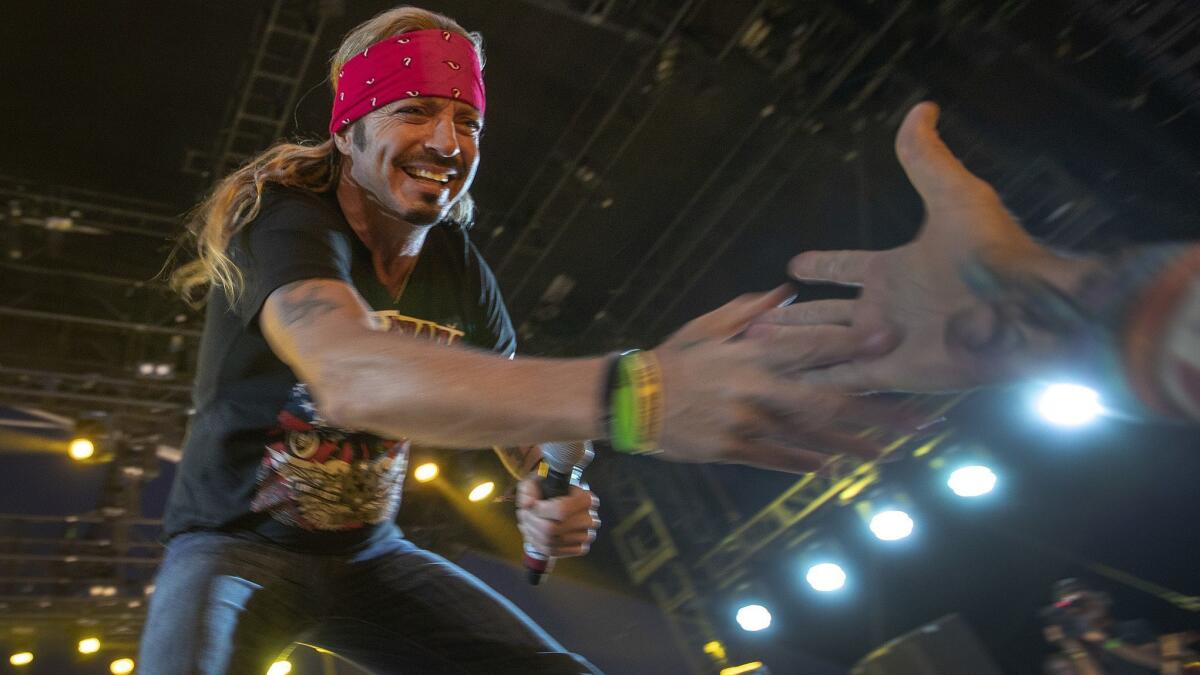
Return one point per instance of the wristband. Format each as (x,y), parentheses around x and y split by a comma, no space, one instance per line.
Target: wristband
(633,400)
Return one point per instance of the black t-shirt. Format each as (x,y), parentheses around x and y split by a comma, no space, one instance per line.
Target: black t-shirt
(258,457)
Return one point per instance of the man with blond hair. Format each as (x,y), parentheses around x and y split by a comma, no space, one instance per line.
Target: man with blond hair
(349,314)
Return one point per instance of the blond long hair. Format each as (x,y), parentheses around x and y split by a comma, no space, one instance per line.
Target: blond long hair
(236,199)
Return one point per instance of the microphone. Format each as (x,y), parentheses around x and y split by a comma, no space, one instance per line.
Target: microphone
(564,462)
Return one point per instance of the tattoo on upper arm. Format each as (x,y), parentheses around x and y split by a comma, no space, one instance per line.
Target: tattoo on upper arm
(303,302)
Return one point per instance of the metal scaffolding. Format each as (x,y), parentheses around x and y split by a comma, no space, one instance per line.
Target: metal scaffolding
(94,571)
(1162,33)
(652,559)
(59,569)
(283,50)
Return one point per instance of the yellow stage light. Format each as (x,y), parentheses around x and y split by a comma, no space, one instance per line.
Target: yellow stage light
(81,449)
(744,668)
(21,658)
(280,668)
(482,491)
(89,645)
(426,472)
(715,649)
(121,667)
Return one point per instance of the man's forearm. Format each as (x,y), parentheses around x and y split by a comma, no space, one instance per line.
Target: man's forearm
(402,387)
(1140,307)
(1162,339)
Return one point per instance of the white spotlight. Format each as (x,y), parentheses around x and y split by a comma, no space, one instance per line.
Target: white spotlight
(972,481)
(826,577)
(891,525)
(753,617)
(1069,405)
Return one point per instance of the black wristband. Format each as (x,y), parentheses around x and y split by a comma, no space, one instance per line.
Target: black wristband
(611,375)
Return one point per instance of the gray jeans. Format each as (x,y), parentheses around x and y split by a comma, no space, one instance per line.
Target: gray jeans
(225,604)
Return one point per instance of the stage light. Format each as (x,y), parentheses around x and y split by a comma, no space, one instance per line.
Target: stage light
(91,441)
(753,618)
(481,492)
(159,370)
(89,645)
(820,561)
(715,649)
(426,472)
(752,667)
(81,449)
(280,668)
(886,511)
(121,667)
(1069,405)
(891,525)
(21,659)
(826,577)
(972,481)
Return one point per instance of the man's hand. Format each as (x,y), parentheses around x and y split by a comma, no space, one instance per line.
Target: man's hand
(730,400)
(915,307)
(561,527)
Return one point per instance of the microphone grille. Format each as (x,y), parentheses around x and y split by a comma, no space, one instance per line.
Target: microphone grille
(565,456)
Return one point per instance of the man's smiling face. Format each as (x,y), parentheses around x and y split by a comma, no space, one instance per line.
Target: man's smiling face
(414,158)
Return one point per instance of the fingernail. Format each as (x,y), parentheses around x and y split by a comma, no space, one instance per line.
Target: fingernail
(789,300)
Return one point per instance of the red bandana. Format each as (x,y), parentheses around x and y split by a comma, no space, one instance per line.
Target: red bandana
(419,63)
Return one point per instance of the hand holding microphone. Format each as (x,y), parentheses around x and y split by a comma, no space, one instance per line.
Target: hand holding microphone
(556,516)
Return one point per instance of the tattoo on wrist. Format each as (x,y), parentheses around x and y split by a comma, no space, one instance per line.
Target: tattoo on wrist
(1012,308)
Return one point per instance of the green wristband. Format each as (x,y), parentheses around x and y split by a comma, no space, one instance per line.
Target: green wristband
(623,412)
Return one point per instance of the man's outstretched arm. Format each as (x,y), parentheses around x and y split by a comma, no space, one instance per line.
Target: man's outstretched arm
(722,400)
(399,386)
(973,300)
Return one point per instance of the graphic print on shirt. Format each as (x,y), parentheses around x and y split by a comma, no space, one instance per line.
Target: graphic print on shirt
(317,476)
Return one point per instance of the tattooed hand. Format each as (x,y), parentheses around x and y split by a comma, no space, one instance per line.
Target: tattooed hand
(935,331)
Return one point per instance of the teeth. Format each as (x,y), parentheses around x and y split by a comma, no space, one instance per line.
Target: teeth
(422,173)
